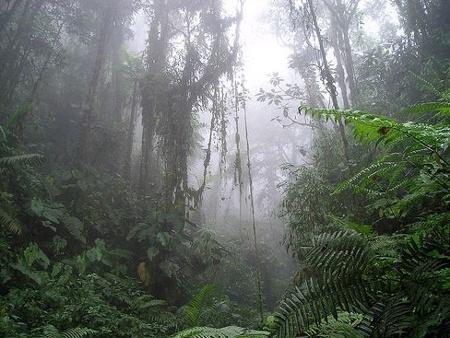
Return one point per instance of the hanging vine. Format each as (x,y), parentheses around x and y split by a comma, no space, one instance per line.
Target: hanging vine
(186,87)
(252,210)
(237,161)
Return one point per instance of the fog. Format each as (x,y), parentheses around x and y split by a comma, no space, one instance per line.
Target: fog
(224,168)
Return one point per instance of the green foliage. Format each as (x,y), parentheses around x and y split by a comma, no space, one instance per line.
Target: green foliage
(395,296)
(109,304)
(193,311)
(10,222)
(52,332)
(342,327)
(25,159)
(226,332)
(394,284)
(369,127)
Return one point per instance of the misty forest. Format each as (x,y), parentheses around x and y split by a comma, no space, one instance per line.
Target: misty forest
(225,168)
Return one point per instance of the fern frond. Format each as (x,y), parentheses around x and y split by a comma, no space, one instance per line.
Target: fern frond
(315,299)
(347,325)
(427,107)
(336,262)
(196,306)
(370,128)
(341,253)
(25,159)
(79,332)
(226,332)
(10,222)
(391,317)
(368,172)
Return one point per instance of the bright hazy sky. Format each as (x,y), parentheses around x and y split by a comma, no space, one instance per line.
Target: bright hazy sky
(262,52)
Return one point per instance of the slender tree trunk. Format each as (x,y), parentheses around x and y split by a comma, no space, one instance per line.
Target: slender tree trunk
(130,133)
(328,77)
(117,41)
(349,67)
(255,238)
(89,110)
(238,160)
(154,89)
(339,67)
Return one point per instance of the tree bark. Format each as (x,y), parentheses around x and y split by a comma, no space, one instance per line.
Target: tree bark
(328,78)
(89,110)
(130,133)
(339,67)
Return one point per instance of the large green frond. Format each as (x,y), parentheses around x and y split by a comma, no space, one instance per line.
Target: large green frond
(27,159)
(197,305)
(79,332)
(226,332)
(10,222)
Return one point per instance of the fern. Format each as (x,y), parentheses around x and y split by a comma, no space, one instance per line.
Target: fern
(52,332)
(340,279)
(25,159)
(370,128)
(197,305)
(369,172)
(10,222)
(347,325)
(426,107)
(226,332)
(336,263)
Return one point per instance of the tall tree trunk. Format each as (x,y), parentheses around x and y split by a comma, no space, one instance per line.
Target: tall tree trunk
(117,41)
(154,89)
(349,66)
(339,67)
(255,238)
(89,110)
(130,133)
(328,77)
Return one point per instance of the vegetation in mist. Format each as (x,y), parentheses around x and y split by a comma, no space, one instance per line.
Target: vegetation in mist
(147,191)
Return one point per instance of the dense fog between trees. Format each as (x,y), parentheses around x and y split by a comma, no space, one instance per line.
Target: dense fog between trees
(224,168)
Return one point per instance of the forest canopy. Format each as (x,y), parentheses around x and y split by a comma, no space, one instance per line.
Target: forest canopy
(224,168)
